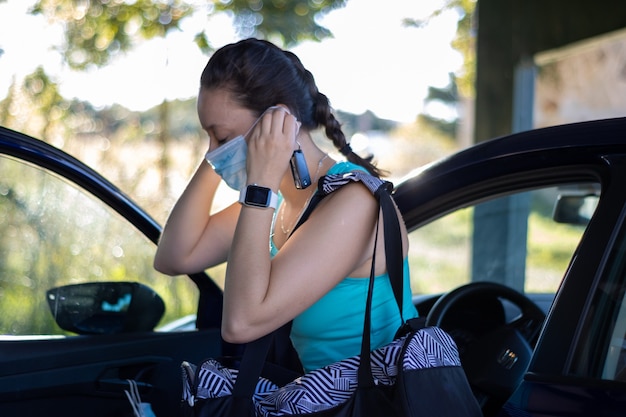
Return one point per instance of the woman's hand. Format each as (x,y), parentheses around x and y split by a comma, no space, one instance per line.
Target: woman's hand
(270,146)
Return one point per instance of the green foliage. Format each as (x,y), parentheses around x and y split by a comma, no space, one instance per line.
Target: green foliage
(545,258)
(42,93)
(41,88)
(464,41)
(462,83)
(447,128)
(96,31)
(285,22)
(440,252)
(52,234)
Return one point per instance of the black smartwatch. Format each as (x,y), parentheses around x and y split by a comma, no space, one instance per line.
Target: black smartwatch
(257,196)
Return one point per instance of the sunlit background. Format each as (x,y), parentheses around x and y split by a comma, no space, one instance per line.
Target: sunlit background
(402,91)
(373,62)
(377,70)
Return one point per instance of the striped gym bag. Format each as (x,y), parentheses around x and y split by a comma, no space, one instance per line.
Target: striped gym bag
(418,374)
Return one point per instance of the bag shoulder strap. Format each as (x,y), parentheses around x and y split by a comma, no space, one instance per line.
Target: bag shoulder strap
(393,251)
(257,350)
(329,183)
(382,190)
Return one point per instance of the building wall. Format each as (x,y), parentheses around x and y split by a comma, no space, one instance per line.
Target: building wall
(582,81)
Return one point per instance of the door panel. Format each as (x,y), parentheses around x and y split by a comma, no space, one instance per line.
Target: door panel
(86,376)
(577,397)
(54,233)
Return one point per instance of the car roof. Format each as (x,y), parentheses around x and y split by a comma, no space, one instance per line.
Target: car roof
(532,158)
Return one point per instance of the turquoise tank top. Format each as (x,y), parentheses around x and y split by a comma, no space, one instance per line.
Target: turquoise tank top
(332,328)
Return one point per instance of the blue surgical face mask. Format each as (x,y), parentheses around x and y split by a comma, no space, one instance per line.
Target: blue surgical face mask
(229,162)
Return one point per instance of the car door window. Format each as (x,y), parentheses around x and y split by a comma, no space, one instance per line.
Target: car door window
(53,233)
(601,352)
(614,367)
(531,255)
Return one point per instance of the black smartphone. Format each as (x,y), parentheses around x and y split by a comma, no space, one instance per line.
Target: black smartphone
(299,170)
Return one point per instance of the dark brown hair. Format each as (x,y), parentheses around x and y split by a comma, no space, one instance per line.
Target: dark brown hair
(260,75)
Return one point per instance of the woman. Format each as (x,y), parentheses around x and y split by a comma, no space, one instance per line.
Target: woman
(253,92)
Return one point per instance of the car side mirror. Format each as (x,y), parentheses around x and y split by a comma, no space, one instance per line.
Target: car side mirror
(575,209)
(105,307)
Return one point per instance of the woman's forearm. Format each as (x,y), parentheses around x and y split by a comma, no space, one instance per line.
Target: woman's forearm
(187,223)
(248,272)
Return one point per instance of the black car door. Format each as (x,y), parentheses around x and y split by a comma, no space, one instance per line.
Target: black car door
(579,364)
(63,225)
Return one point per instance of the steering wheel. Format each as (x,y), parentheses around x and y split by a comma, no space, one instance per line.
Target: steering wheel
(496,358)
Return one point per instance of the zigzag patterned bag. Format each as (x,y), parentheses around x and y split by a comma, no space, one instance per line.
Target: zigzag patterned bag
(418,374)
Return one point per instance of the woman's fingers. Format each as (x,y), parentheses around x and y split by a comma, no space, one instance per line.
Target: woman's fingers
(277,124)
(271,145)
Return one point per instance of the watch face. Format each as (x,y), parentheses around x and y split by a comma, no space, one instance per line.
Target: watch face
(257,196)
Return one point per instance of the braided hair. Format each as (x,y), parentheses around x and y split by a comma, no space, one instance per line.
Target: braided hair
(259,75)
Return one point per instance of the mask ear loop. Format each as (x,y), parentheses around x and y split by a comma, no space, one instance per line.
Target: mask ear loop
(285,109)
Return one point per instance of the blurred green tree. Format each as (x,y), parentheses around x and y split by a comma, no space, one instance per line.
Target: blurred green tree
(97,31)
(460,91)
(448,96)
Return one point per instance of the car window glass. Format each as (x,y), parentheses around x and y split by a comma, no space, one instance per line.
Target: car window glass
(614,367)
(602,351)
(513,239)
(52,234)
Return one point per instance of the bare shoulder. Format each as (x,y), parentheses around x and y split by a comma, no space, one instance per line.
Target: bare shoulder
(354,205)
(349,208)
